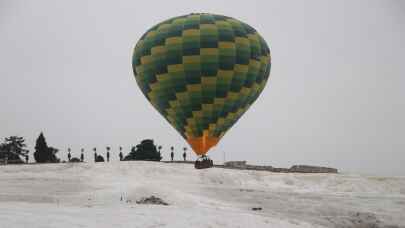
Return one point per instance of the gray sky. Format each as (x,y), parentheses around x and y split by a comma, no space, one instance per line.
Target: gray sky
(335,97)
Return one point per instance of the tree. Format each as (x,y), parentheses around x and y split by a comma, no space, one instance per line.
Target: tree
(43,153)
(12,148)
(146,150)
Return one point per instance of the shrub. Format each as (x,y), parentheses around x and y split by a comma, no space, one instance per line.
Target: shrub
(146,150)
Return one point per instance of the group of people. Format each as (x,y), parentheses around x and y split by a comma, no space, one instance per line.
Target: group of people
(98,158)
(172,155)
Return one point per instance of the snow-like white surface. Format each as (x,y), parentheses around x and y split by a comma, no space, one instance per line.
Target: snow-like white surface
(89,195)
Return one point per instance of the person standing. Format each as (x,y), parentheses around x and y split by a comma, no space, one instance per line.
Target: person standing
(184,154)
(69,155)
(26,159)
(95,154)
(82,155)
(172,153)
(108,154)
(120,154)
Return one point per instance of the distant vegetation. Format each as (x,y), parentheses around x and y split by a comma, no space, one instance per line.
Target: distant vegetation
(146,150)
(12,148)
(43,153)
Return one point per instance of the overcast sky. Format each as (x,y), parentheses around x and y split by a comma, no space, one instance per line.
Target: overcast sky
(336,94)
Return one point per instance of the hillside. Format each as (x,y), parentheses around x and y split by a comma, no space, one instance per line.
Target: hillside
(105,195)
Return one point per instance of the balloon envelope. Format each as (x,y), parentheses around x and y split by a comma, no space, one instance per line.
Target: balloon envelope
(201,72)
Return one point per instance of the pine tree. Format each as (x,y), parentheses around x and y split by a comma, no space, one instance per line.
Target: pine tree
(12,148)
(43,153)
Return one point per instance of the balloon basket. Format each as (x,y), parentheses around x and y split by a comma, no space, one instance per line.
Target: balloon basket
(203,162)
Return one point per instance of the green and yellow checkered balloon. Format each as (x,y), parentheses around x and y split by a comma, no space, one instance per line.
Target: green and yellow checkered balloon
(201,72)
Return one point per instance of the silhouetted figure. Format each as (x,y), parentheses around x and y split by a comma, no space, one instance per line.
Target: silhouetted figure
(108,153)
(82,155)
(120,154)
(69,155)
(26,159)
(95,154)
(184,154)
(172,153)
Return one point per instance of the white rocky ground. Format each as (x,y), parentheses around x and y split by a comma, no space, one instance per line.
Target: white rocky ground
(89,195)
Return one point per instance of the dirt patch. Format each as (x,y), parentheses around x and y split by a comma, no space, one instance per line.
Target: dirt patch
(152,200)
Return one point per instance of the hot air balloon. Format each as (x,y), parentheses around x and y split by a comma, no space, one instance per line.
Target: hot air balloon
(201,72)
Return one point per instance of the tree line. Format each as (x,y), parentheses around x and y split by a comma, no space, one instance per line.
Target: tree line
(13,151)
